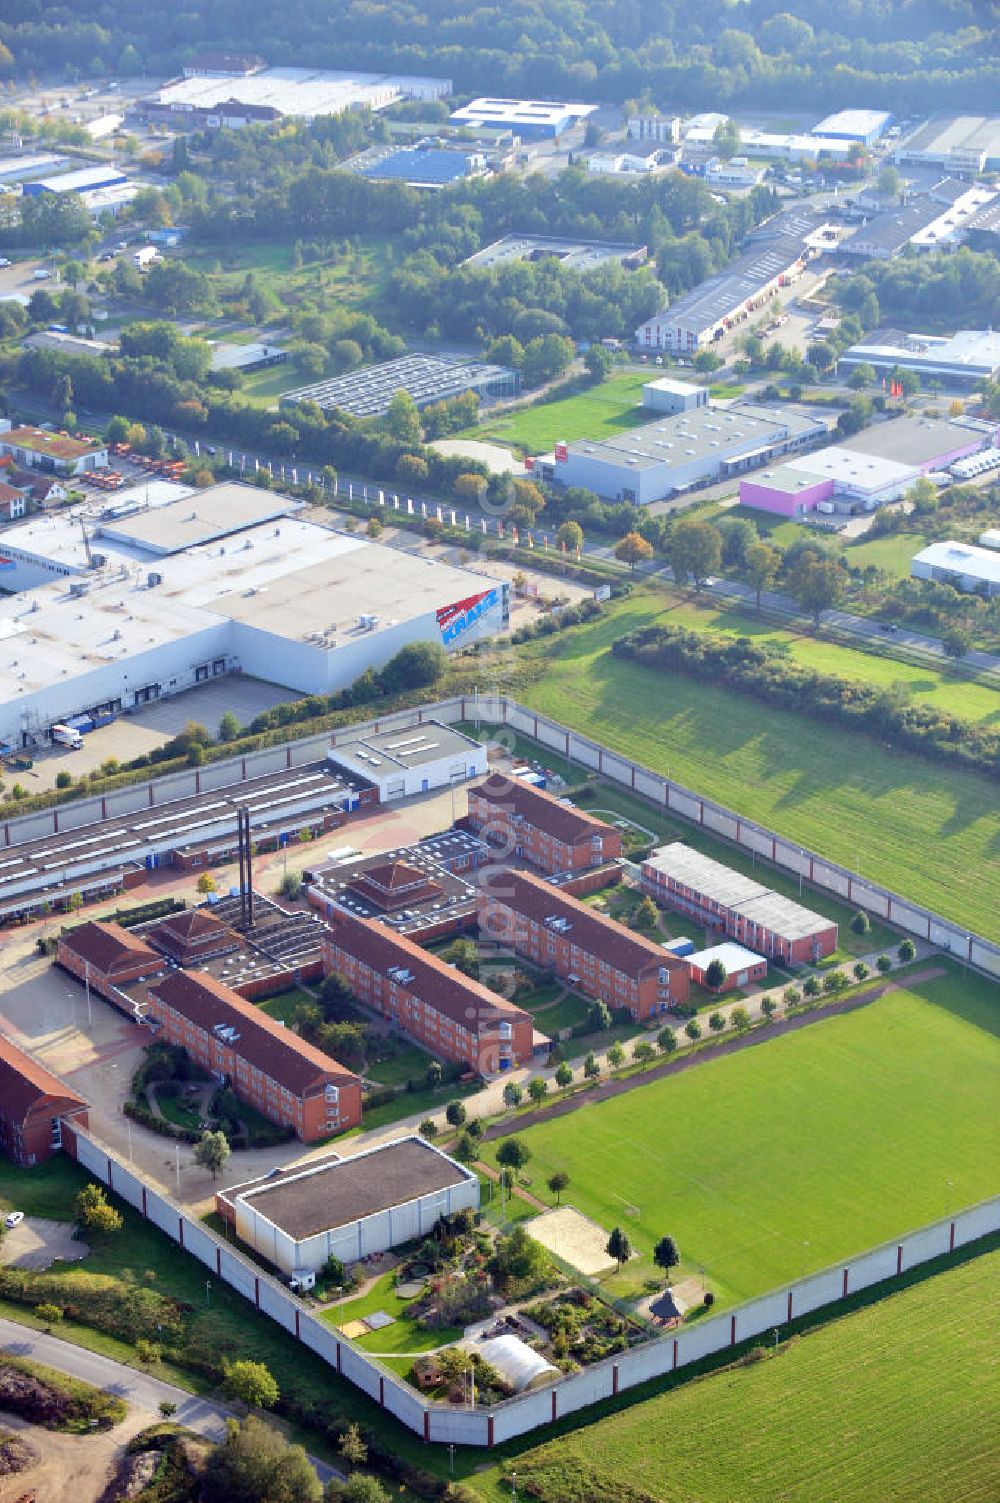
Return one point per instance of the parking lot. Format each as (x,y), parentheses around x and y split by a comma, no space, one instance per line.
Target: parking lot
(18,282)
(152,726)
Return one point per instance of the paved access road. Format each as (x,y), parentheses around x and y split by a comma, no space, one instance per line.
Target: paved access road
(138,1389)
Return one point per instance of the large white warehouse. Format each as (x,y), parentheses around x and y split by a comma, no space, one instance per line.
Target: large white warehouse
(174,595)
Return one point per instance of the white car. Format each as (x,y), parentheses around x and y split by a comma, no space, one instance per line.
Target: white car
(12,1219)
(4,261)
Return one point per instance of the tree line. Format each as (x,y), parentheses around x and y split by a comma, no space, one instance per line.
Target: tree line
(761,672)
(921,55)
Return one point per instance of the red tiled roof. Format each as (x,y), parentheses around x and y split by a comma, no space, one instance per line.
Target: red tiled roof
(540,809)
(25,1085)
(195,931)
(594,932)
(262,1042)
(443,987)
(394,874)
(393,884)
(107,945)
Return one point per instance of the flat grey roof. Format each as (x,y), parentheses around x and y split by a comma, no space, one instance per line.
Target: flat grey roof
(699,433)
(891,230)
(966,132)
(581,255)
(427,378)
(328,597)
(403,748)
(329,1195)
(199,518)
(783,916)
(911,440)
(721,295)
(704,874)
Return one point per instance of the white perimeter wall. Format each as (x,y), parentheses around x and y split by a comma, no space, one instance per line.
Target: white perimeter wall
(356,1240)
(443,1423)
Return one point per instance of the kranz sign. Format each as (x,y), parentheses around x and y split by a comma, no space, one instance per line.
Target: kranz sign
(454,620)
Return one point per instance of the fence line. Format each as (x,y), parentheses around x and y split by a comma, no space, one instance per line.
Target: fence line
(444,1423)
(499,710)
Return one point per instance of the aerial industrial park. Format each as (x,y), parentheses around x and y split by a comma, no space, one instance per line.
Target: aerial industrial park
(499,740)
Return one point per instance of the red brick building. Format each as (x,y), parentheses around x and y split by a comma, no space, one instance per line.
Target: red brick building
(530,823)
(289,1081)
(602,958)
(193,936)
(738,906)
(454,1016)
(393,885)
(107,956)
(32,1106)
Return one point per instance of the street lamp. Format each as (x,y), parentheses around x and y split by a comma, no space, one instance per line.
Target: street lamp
(208,1294)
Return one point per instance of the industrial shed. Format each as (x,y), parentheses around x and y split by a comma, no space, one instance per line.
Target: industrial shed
(349,1208)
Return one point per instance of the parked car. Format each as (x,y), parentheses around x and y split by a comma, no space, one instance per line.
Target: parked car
(12,1219)
(4,261)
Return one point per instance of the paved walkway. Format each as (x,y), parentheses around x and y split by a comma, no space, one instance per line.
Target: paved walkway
(139,1389)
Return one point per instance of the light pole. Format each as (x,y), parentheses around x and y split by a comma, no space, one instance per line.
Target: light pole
(208,1294)
(451,1459)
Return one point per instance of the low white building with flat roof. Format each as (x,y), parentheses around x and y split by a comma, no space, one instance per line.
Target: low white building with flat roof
(348,1208)
(403,763)
(965,358)
(975,570)
(854,125)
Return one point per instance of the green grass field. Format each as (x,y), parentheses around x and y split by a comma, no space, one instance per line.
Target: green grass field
(928,685)
(895,1401)
(597,412)
(788,1156)
(929,831)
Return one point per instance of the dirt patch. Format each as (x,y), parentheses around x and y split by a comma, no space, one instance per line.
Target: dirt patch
(574,1238)
(16,1454)
(68,1467)
(37,1243)
(133,1476)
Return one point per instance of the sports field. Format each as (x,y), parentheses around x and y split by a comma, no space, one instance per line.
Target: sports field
(922,828)
(896,1401)
(784,1158)
(595,413)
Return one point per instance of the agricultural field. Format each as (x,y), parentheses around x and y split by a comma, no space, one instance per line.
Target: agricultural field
(878,811)
(783,1158)
(597,412)
(894,1401)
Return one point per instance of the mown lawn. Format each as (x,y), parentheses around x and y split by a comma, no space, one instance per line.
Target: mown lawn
(401,1062)
(813,1145)
(926,830)
(598,412)
(404,1335)
(895,1401)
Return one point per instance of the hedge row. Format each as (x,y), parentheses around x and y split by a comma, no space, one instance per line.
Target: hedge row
(762,672)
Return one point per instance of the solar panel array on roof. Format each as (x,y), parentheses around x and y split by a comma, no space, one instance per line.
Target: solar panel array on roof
(427,378)
(413,165)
